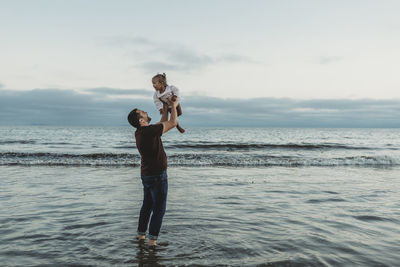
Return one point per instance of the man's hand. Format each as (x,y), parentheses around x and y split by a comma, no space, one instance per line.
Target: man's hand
(173,100)
(164,108)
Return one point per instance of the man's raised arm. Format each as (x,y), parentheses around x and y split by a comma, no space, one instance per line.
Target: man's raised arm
(164,113)
(173,119)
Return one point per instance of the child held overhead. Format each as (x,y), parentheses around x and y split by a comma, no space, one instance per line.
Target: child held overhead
(163,92)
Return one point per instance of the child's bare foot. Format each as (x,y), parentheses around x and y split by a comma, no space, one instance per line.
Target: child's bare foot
(152,243)
(180,129)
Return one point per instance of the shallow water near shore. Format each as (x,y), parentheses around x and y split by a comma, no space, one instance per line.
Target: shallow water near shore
(275,216)
(237,197)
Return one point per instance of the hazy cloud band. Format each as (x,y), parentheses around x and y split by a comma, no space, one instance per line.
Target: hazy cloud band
(95,107)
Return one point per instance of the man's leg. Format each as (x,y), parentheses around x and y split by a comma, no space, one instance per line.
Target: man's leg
(159,193)
(145,212)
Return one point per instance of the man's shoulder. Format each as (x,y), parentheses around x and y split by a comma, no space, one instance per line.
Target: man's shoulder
(152,128)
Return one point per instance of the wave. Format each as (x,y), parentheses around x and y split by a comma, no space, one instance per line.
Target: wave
(251,146)
(191,160)
(58,143)
(13,142)
(207,146)
(64,159)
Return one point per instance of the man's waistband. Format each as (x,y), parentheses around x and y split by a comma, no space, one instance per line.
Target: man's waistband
(163,175)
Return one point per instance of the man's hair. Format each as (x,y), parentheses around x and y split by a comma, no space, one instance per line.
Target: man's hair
(133,118)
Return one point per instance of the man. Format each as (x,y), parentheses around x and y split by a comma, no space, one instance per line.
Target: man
(153,168)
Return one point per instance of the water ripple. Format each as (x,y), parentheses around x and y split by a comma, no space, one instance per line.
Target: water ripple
(89,225)
(215,217)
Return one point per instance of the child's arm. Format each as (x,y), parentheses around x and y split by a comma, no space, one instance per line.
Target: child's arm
(158,103)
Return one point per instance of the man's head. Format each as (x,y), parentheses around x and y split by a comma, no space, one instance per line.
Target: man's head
(138,118)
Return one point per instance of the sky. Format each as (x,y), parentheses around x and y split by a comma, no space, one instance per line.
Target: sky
(237,63)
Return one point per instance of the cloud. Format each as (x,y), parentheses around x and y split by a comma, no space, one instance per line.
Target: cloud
(63,107)
(125,40)
(68,107)
(106,91)
(162,56)
(324,60)
(234,58)
(284,112)
(1,85)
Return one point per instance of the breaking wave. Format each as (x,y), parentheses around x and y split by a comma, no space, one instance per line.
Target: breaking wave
(192,160)
(251,146)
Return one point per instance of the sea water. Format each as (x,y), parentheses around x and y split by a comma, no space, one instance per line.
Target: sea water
(237,197)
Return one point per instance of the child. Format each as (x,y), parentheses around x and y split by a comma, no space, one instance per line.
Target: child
(163,92)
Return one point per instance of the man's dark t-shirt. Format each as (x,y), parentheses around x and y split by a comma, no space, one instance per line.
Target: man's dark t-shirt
(151,149)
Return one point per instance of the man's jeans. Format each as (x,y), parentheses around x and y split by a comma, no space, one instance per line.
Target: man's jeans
(155,189)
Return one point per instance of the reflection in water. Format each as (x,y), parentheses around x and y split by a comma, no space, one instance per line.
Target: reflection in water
(147,256)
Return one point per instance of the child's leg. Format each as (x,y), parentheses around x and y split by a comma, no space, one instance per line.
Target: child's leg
(180,129)
(179,112)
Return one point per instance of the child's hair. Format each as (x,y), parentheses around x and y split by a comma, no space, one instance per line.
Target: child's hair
(161,78)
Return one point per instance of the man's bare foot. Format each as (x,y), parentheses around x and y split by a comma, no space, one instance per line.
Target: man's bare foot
(141,237)
(180,129)
(152,243)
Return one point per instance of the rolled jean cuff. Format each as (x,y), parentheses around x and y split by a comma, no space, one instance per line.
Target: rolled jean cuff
(141,233)
(152,237)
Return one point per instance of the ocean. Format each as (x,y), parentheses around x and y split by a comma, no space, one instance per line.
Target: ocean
(70,196)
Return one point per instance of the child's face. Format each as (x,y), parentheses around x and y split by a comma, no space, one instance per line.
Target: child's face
(158,85)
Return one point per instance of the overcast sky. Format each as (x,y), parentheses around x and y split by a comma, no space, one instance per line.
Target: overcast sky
(302,58)
(106,106)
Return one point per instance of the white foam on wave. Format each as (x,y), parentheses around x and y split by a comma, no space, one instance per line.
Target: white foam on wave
(196,160)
